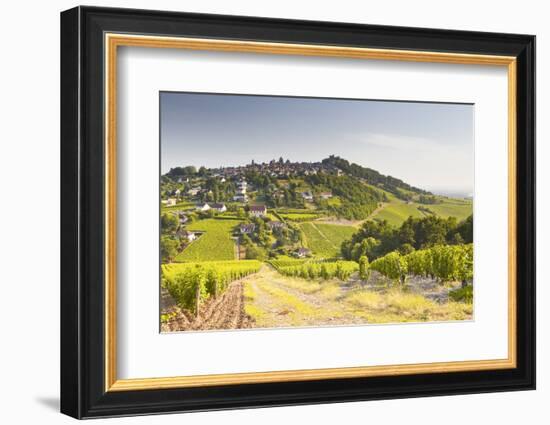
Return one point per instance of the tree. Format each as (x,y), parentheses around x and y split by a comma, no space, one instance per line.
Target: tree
(466,229)
(406,232)
(414,233)
(406,248)
(457,239)
(254,252)
(182,171)
(168,249)
(189,170)
(245,240)
(432,231)
(168,224)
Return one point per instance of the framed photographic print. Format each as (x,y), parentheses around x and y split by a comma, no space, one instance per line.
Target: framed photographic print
(261,212)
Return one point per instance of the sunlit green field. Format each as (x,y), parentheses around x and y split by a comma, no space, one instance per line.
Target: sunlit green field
(215,244)
(397,211)
(453,208)
(325,239)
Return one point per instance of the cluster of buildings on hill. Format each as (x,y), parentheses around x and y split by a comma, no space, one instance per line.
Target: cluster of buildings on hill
(241,195)
(254,210)
(248,228)
(273,168)
(276,169)
(280,169)
(308,196)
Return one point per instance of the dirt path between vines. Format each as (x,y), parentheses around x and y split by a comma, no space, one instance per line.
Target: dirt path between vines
(224,312)
(269,300)
(279,301)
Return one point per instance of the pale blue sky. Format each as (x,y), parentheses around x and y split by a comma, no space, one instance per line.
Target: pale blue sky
(429,145)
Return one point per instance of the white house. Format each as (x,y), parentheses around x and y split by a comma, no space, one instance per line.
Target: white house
(170,202)
(203,207)
(185,234)
(247,228)
(258,210)
(218,207)
(302,252)
(325,195)
(307,196)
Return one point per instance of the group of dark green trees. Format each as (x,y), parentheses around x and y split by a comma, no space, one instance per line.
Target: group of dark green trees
(264,242)
(377,238)
(169,245)
(357,201)
(391,184)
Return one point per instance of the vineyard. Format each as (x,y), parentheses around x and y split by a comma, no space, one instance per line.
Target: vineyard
(191,283)
(324,240)
(301,217)
(443,262)
(316,269)
(284,261)
(309,243)
(215,244)
(207,288)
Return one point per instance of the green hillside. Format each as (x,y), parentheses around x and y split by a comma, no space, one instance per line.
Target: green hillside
(325,240)
(397,211)
(215,244)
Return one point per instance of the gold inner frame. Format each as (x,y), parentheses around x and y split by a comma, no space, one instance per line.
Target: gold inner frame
(113,41)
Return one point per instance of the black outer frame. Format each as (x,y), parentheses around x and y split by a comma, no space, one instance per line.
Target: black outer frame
(82,208)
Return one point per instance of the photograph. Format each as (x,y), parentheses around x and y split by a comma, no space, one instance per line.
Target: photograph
(277,209)
(280,211)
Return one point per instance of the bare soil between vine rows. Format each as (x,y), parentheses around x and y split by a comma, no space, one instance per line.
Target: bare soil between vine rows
(224,312)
